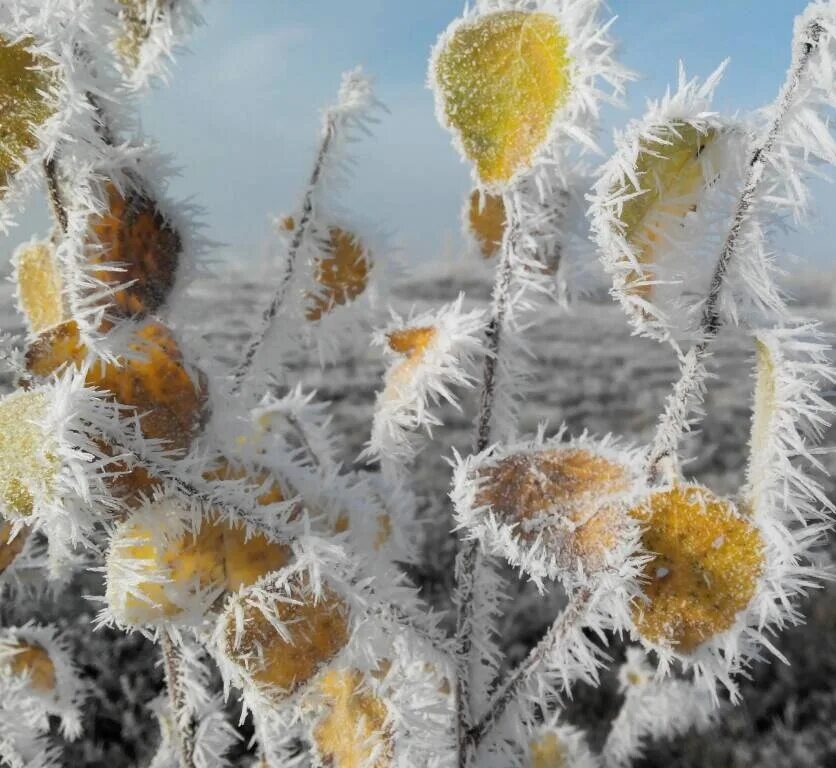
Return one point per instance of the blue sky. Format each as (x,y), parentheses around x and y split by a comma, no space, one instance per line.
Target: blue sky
(241,113)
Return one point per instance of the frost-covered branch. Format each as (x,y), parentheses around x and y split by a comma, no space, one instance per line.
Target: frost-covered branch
(468,559)
(355,102)
(673,423)
(509,688)
(184,737)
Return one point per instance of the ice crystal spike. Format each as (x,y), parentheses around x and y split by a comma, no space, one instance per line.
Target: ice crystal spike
(352,731)
(224,469)
(341,273)
(277,640)
(154,380)
(706,565)
(39,285)
(26,80)
(143,249)
(485,221)
(499,80)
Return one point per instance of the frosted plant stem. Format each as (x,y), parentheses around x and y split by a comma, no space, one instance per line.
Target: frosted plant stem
(674,421)
(468,559)
(56,199)
(182,735)
(299,233)
(509,687)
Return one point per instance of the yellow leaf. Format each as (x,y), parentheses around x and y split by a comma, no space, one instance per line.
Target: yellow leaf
(39,286)
(24,105)
(673,176)
(705,570)
(501,79)
(352,732)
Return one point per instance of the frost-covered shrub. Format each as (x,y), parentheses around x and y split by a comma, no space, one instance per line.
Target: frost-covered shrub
(214,504)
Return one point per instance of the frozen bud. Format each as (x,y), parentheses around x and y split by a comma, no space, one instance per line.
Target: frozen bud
(39,285)
(154,379)
(275,640)
(555,509)
(39,658)
(341,273)
(352,731)
(26,80)
(499,80)
(165,566)
(31,661)
(11,545)
(411,343)
(486,221)
(430,355)
(559,746)
(706,565)
(133,242)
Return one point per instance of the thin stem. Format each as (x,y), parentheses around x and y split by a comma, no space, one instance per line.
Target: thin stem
(468,557)
(509,688)
(299,233)
(56,199)
(673,423)
(183,737)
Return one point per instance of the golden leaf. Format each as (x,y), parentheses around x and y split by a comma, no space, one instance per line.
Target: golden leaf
(24,105)
(502,78)
(565,496)
(342,274)
(29,467)
(39,286)
(156,382)
(137,237)
(354,726)
(705,570)
(316,630)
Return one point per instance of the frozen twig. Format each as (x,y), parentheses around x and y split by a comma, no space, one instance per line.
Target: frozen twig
(509,688)
(673,423)
(468,558)
(299,234)
(183,735)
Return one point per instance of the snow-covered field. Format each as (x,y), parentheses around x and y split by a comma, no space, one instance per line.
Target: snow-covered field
(591,374)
